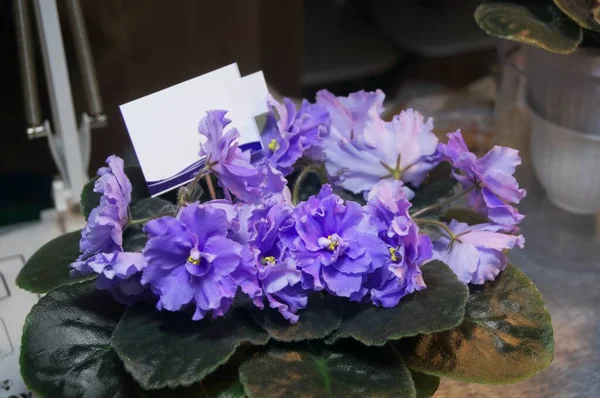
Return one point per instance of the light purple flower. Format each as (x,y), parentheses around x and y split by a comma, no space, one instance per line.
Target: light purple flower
(475,253)
(495,189)
(279,277)
(103,232)
(334,245)
(362,149)
(231,165)
(297,132)
(120,274)
(387,208)
(192,261)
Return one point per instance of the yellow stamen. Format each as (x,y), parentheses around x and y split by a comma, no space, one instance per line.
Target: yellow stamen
(192,260)
(269,260)
(393,255)
(333,244)
(273,145)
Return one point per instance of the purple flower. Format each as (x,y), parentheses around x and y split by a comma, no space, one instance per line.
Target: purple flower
(103,232)
(191,260)
(120,273)
(279,278)
(362,149)
(495,189)
(475,253)
(231,165)
(334,245)
(295,133)
(387,208)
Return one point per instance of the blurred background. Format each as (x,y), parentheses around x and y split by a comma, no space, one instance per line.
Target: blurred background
(426,54)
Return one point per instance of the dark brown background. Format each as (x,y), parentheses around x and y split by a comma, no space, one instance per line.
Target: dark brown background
(137,53)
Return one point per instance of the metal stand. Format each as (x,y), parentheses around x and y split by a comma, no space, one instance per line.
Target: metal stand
(70,145)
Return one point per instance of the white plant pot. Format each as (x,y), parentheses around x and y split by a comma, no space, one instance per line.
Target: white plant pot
(567,164)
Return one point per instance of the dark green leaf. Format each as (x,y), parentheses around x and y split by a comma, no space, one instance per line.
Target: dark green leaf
(91,199)
(166,349)
(464,215)
(506,336)
(134,237)
(321,317)
(66,351)
(152,207)
(289,373)
(49,266)
(439,307)
(580,11)
(426,385)
(540,24)
(438,185)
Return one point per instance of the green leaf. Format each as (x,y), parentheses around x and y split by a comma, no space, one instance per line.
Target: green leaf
(91,199)
(321,317)
(580,11)
(298,372)
(49,266)
(540,24)
(506,336)
(152,207)
(426,385)
(66,351)
(134,237)
(439,307)
(438,185)
(464,215)
(168,349)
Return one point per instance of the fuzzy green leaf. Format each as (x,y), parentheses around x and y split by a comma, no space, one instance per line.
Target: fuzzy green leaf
(426,385)
(439,307)
(66,350)
(580,11)
(91,199)
(49,266)
(304,372)
(506,336)
(168,349)
(464,215)
(540,24)
(438,185)
(321,317)
(134,237)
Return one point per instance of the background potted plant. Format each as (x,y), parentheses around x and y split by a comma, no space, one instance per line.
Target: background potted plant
(561,91)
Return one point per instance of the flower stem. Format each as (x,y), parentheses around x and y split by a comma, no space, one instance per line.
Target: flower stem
(318,170)
(211,187)
(439,224)
(441,204)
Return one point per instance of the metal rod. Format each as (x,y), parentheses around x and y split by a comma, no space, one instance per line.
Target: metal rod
(59,88)
(33,113)
(85,61)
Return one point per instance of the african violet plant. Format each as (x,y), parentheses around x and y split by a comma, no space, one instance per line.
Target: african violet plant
(361,283)
(558,26)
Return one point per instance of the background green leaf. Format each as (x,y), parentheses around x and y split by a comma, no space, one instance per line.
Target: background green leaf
(539,23)
(440,306)
(90,199)
(49,266)
(168,349)
(321,317)
(438,185)
(580,12)
(425,385)
(66,351)
(134,237)
(506,336)
(464,215)
(325,372)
